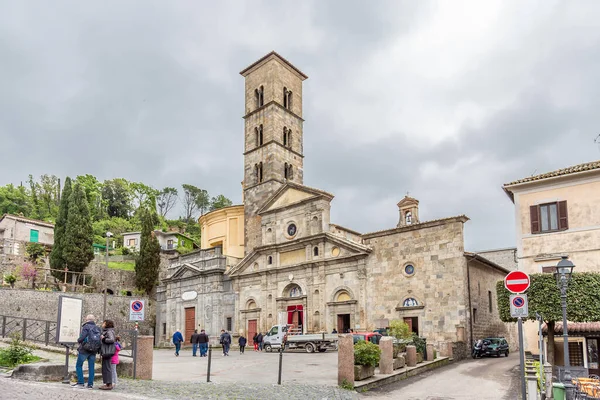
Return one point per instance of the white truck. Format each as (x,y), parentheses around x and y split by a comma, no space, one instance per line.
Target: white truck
(283,334)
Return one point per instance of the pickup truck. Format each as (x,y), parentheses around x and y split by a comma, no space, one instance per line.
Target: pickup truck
(282,334)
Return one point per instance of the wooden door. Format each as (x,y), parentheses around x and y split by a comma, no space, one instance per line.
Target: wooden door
(409,322)
(190,324)
(340,327)
(251,330)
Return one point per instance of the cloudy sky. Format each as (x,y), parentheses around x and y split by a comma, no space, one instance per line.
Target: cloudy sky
(446,100)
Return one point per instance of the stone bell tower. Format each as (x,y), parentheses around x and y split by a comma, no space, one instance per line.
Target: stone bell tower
(409,211)
(273,136)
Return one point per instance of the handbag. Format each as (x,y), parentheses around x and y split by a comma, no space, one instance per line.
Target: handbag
(107,350)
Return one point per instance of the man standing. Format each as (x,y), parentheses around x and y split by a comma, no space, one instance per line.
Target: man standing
(203,343)
(225,341)
(259,339)
(194,341)
(177,340)
(89,345)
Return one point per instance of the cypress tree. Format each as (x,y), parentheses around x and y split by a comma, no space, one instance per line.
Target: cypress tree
(79,235)
(57,260)
(148,262)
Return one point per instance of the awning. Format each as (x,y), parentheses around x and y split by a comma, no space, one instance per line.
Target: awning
(574,327)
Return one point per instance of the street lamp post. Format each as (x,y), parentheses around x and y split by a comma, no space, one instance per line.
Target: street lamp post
(564,271)
(108,235)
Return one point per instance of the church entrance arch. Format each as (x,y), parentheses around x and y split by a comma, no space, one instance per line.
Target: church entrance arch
(342,310)
(293,304)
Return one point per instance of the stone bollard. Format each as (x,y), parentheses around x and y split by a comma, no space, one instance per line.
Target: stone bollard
(411,356)
(145,351)
(430,352)
(386,361)
(346,360)
(532,393)
(548,374)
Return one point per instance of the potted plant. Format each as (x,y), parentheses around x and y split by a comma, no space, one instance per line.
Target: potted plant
(421,345)
(366,357)
(10,279)
(401,333)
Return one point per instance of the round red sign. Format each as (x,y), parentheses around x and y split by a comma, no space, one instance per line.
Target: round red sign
(516,282)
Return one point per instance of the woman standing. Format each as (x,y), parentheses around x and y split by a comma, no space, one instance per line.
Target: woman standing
(108,349)
(255,341)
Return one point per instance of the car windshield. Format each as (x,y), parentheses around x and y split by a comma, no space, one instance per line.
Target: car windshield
(495,342)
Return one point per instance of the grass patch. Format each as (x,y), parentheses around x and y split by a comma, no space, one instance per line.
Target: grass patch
(122,265)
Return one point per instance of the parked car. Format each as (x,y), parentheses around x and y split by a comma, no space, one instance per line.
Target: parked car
(373,337)
(490,347)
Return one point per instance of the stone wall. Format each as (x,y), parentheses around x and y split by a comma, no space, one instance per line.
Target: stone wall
(484,307)
(117,280)
(506,258)
(34,304)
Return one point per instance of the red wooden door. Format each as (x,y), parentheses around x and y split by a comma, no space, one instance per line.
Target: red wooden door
(190,324)
(409,322)
(251,329)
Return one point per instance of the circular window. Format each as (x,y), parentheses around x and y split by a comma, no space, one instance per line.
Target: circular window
(335,251)
(409,269)
(291,230)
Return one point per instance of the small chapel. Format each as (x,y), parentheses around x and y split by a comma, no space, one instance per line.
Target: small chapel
(278,258)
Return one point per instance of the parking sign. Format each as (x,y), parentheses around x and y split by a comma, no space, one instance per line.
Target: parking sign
(136,310)
(519,306)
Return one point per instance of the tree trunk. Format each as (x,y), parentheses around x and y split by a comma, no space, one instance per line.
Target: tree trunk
(550,346)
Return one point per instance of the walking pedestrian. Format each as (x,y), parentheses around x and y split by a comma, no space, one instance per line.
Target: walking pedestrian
(225,341)
(108,351)
(194,342)
(89,346)
(255,341)
(242,342)
(203,343)
(114,361)
(177,340)
(259,339)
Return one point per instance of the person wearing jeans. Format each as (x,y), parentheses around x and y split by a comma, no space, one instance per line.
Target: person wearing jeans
(177,340)
(203,343)
(84,355)
(194,341)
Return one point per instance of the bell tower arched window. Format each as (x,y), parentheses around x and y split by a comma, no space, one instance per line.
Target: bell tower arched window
(258,172)
(287,98)
(259,97)
(288,171)
(285,136)
(260,135)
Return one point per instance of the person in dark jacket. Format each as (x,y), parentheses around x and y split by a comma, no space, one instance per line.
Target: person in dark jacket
(108,337)
(203,343)
(88,327)
(225,341)
(259,339)
(177,340)
(242,342)
(194,342)
(255,341)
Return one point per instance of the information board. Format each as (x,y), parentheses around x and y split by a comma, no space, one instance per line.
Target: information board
(70,315)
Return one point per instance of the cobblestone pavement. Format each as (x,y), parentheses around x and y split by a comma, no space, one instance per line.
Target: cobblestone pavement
(128,389)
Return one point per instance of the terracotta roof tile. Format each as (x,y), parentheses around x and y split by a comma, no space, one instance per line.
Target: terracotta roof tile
(574,327)
(29,220)
(559,172)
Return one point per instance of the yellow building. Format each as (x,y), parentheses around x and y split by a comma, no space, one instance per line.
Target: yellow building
(224,228)
(556,214)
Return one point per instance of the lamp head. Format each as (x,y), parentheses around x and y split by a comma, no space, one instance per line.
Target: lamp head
(109,234)
(564,268)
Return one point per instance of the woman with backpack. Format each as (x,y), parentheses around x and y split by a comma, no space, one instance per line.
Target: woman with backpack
(107,351)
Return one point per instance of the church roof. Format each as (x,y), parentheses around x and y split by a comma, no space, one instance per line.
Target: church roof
(274,54)
(408,200)
(425,224)
(297,186)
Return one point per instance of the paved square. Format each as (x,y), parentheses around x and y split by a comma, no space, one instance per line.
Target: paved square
(255,367)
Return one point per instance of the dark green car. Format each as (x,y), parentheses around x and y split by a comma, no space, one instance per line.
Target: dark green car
(495,347)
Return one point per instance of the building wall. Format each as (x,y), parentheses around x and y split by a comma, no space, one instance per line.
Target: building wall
(506,258)
(579,242)
(16,235)
(224,227)
(484,304)
(136,236)
(439,284)
(41,305)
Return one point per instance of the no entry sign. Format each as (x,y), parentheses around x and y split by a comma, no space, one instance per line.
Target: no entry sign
(516,282)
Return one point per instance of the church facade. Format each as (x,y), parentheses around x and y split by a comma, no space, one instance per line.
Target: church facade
(300,268)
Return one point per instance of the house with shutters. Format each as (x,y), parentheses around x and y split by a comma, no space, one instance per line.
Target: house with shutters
(16,232)
(556,214)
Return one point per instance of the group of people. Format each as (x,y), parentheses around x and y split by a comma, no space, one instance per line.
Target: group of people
(94,340)
(201,340)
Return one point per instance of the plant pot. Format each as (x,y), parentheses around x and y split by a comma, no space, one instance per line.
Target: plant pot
(395,351)
(363,372)
(399,362)
(419,358)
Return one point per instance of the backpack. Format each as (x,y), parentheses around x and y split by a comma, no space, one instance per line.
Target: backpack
(92,342)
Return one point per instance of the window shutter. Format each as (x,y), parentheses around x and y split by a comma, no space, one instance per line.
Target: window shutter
(563,221)
(534,211)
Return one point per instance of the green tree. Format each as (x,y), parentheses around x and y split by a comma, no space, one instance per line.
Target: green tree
(165,201)
(93,194)
(48,188)
(544,298)
(36,212)
(147,262)
(219,202)
(57,260)
(194,199)
(400,330)
(35,251)
(15,200)
(77,245)
(143,195)
(117,195)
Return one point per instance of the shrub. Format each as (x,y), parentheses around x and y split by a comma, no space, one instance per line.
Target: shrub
(400,330)
(419,343)
(17,353)
(366,353)
(125,251)
(10,279)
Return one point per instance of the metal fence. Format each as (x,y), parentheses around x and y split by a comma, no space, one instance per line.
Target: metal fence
(34,330)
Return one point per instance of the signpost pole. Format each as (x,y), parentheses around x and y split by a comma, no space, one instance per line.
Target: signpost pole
(66,378)
(522,359)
